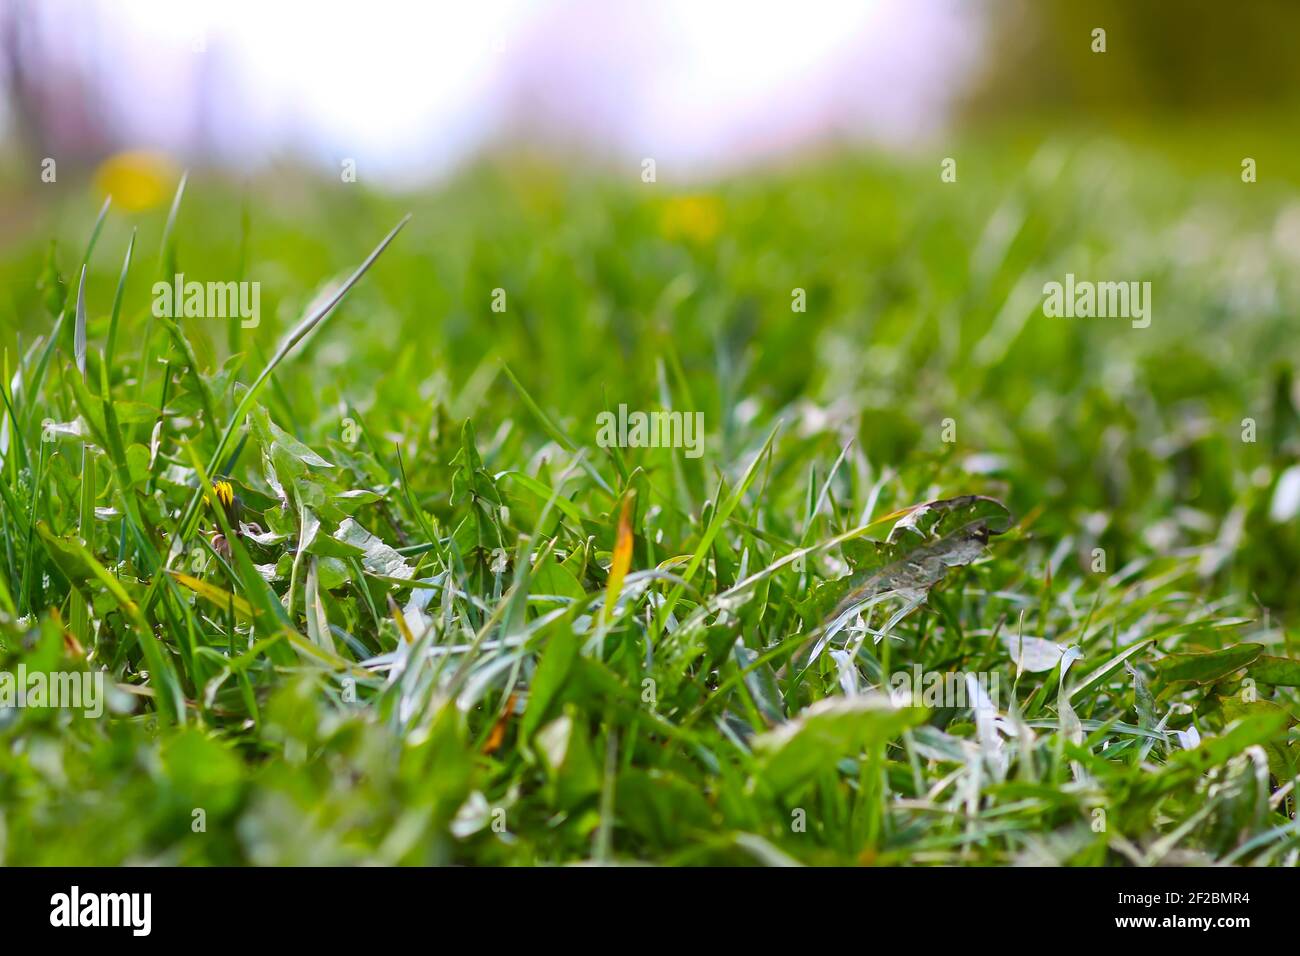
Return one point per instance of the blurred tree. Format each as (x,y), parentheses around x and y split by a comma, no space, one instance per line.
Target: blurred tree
(1186,57)
(54,106)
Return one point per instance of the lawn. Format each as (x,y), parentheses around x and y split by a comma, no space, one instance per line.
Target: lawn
(945,580)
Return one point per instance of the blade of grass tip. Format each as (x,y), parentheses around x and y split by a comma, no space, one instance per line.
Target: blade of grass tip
(554,430)
(416,512)
(172,213)
(825,492)
(79,334)
(548,425)
(32,389)
(311,321)
(94,232)
(117,304)
(164,261)
(297,335)
(189,517)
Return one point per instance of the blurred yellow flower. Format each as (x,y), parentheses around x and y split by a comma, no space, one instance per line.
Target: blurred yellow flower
(696,218)
(137,179)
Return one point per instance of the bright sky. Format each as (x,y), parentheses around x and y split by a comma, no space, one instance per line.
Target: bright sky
(415,86)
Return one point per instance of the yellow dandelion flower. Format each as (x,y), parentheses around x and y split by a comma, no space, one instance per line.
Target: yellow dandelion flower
(695,218)
(225,492)
(137,180)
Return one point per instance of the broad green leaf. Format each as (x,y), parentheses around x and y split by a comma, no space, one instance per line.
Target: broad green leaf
(1279,671)
(1208,667)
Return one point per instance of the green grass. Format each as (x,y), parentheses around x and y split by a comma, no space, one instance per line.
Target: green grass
(461,631)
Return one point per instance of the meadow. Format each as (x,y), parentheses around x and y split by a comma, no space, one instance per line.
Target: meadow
(366,585)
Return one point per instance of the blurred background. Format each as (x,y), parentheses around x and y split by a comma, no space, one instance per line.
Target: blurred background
(411,91)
